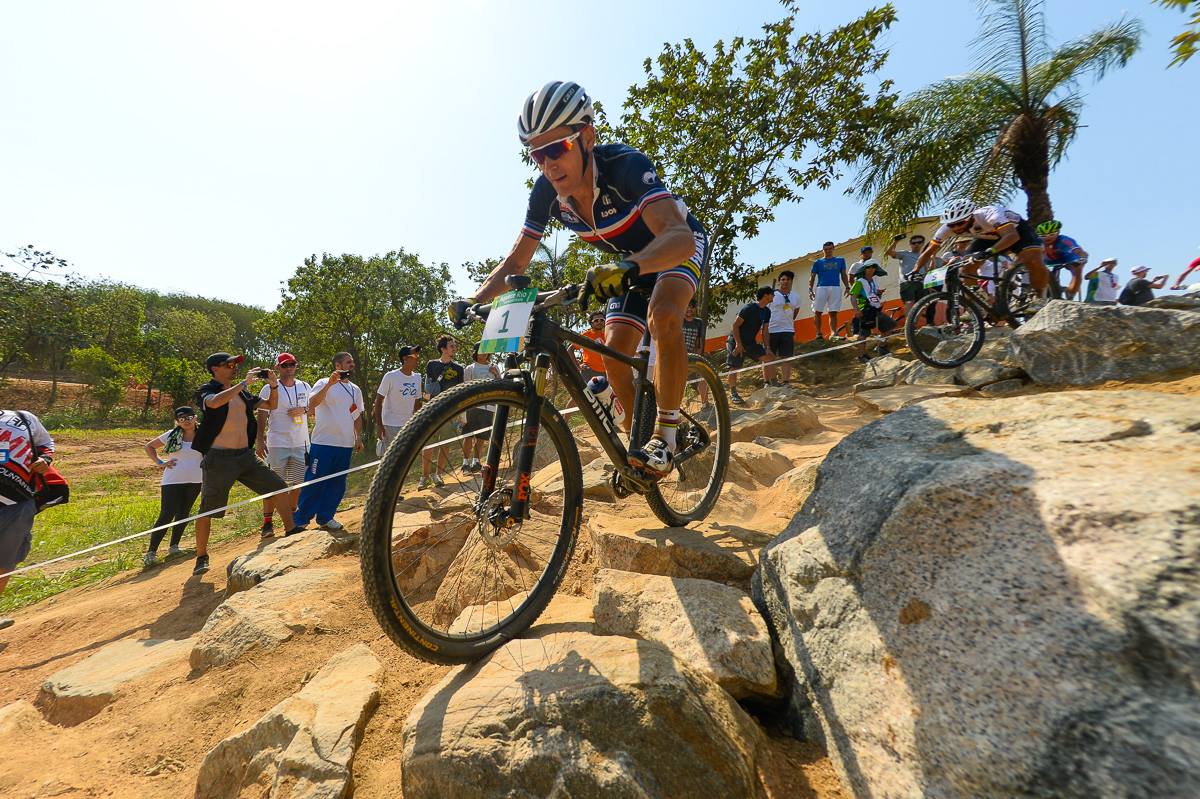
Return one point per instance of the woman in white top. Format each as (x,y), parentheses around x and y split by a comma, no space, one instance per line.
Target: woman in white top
(180,480)
(478,418)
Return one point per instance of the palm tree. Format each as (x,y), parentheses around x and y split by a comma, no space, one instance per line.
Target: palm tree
(1004,125)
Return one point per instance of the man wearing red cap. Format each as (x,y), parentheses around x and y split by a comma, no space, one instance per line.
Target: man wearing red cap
(283,436)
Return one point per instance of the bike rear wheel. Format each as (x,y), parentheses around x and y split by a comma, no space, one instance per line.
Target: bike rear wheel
(951,343)
(447,582)
(690,491)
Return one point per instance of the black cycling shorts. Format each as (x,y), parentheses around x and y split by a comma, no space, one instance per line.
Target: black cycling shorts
(1027,240)
(631,308)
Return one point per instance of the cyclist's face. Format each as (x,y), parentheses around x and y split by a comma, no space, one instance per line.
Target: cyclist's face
(1050,238)
(565,173)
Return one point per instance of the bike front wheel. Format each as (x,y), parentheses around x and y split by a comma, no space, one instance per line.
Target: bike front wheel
(449,576)
(953,342)
(690,491)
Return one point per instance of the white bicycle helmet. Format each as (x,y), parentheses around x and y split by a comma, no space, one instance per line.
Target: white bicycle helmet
(556,104)
(957,211)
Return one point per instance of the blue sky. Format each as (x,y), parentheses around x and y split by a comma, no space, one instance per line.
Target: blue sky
(209,147)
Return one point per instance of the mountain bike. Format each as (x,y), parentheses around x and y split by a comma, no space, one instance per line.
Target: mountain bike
(456,571)
(966,308)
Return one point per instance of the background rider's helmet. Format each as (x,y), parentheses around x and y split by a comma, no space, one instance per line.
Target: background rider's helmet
(1048,227)
(555,104)
(957,211)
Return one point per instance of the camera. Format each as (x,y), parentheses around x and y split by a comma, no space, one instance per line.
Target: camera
(344,375)
(262,374)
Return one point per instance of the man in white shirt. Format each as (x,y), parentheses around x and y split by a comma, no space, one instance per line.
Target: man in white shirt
(336,436)
(397,399)
(1103,288)
(781,327)
(283,437)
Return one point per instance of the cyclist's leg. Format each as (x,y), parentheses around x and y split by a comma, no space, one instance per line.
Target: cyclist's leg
(667,305)
(624,326)
(1076,279)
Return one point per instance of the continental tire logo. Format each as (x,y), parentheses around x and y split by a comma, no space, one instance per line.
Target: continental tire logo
(416,636)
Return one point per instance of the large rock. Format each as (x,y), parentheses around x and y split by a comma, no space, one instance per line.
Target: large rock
(724,553)
(792,420)
(889,400)
(284,555)
(1008,606)
(302,747)
(585,716)
(713,628)
(771,395)
(887,368)
(78,692)
(753,464)
(261,618)
(980,372)
(1176,303)
(1076,343)
(923,374)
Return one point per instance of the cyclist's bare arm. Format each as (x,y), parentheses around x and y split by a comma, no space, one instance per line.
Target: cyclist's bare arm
(673,240)
(927,255)
(515,264)
(1007,239)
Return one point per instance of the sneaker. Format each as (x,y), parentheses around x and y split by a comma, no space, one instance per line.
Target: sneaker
(174,552)
(5,624)
(333,526)
(476,466)
(654,458)
(267,530)
(149,559)
(466,467)
(820,338)
(201,564)
(736,398)
(437,480)
(423,484)
(300,528)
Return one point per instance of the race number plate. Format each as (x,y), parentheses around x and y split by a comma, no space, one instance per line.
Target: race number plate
(508,321)
(936,278)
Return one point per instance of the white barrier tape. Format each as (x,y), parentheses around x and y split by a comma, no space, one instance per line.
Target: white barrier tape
(360,467)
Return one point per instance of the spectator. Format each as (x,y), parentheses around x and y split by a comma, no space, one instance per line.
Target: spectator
(1139,290)
(227,429)
(865,254)
(912,286)
(1102,285)
(593,362)
(440,375)
(336,436)
(829,275)
(397,399)
(180,484)
(742,342)
(869,297)
(26,449)
(283,436)
(695,332)
(478,419)
(781,326)
(1193,266)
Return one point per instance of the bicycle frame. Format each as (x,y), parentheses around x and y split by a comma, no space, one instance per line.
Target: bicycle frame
(956,287)
(544,347)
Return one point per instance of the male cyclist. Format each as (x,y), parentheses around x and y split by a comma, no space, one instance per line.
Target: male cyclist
(1063,250)
(994,229)
(611,196)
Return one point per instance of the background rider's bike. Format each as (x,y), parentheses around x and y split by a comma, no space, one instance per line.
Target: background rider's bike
(455,571)
(963,306)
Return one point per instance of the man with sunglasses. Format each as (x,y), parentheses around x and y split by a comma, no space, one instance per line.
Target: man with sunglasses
(283,436)
(994,230)
(612,197)
(912,283)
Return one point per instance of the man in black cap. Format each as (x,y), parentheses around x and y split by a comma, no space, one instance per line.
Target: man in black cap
(397,398)
(225,438)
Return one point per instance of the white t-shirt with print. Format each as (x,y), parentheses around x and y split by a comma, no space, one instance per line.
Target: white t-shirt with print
(400,393)
(187,463)
(1108,289)
(783,312)
(285,431)
(343,404)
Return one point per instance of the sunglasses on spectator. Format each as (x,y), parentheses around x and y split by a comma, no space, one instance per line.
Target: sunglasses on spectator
(191,418)
(554,150)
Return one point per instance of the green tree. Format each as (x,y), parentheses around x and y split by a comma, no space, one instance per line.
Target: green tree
(106,377)
(741,129)
(1003,126)
(1185,43)
(369,307)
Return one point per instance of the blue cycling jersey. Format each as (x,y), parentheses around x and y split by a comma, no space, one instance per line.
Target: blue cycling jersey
(626,182)
(1061,251)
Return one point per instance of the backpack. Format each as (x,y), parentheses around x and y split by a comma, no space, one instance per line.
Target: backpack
(49,488)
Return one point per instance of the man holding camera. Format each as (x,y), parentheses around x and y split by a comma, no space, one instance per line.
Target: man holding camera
(337,435)
(225,438)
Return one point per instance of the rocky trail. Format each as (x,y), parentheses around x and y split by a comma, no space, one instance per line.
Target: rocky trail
(754,654)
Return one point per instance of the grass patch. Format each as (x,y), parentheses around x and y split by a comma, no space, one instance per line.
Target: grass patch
(107,507)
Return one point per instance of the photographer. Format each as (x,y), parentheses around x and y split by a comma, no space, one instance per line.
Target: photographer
(227,432)
(336,436)
(26,450)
